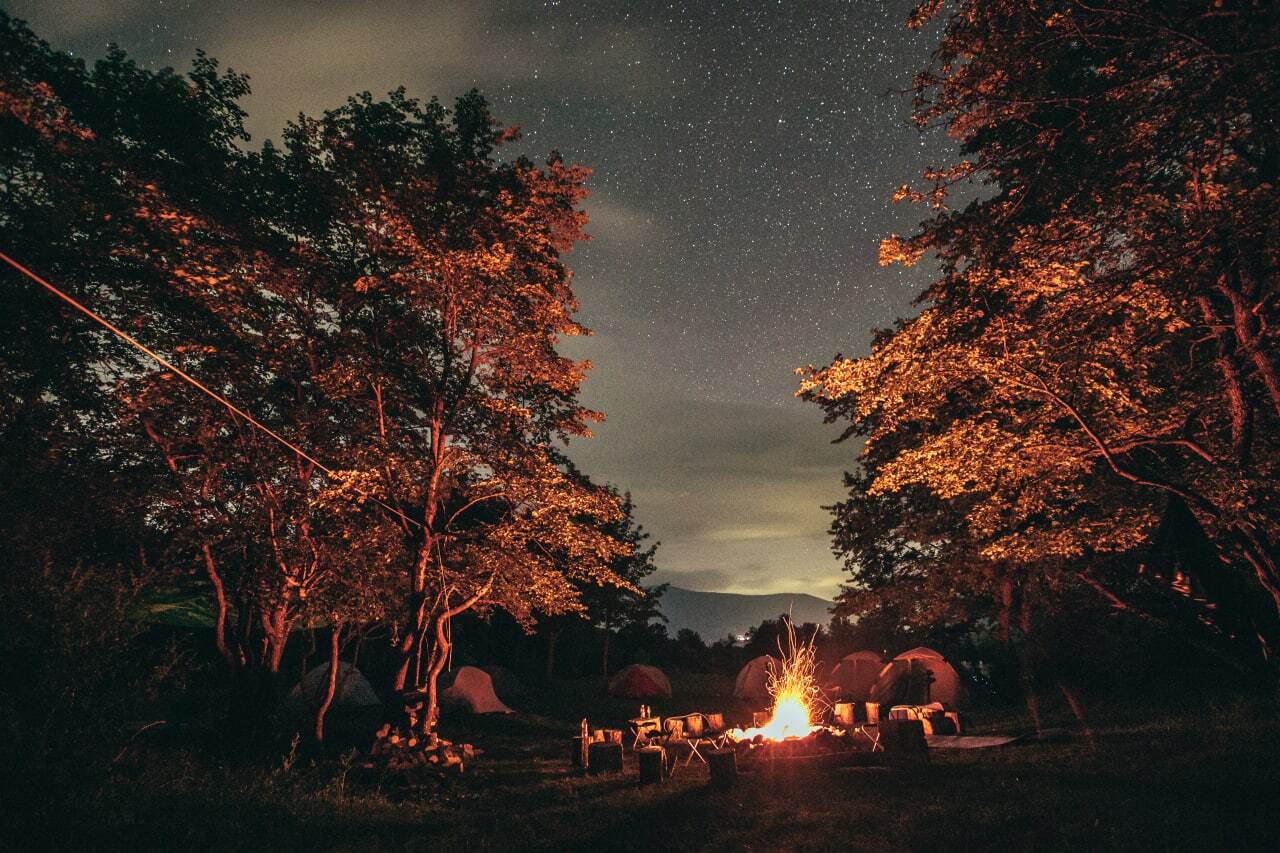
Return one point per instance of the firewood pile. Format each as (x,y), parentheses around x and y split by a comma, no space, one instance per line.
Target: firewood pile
(416,758)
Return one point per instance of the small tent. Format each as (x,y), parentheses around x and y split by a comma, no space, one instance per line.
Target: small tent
(752,683)
(506,684)
(918,677)
(472,689)
(855,675)
(639,681)
(352,688)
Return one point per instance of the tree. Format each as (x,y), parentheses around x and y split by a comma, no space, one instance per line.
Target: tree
(612,606)
(449,293)
(1097,356)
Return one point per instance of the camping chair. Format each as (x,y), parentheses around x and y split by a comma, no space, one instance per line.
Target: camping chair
(715,730)
(678,734)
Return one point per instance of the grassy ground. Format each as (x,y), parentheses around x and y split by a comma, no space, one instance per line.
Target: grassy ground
(1205,775)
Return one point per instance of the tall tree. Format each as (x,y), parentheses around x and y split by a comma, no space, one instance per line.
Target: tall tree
(1097,357)
(614,606)
(450,294)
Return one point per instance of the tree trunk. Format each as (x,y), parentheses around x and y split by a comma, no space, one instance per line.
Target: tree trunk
(331,684)
(1026,662)
(552,636)
(220,598)
(1237,407)
(439,655)
(277,637)
(604,656)
(1247,327)
(1077,708)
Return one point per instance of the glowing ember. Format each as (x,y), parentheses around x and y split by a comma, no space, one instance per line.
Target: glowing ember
(795,694)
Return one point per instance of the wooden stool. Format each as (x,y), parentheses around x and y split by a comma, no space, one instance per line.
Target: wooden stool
(604,757)
(653,764)
(904,739)
(723,764)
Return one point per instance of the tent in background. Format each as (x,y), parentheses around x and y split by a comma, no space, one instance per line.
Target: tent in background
(506,684)
(917,677)
(472,689)
(352,689)
(639,681)
(752,683)
(855,675)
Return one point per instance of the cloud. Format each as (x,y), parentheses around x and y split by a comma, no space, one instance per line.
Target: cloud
(614,225)
(734,491)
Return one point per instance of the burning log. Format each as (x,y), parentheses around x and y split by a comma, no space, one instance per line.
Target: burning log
(796,695)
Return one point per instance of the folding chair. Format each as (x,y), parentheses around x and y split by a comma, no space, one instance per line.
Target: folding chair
(695,735)
(679,733)
(715,730)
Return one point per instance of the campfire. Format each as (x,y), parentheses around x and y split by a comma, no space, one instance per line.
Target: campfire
(797,699)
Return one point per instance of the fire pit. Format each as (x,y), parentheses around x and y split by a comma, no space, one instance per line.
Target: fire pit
(791,735)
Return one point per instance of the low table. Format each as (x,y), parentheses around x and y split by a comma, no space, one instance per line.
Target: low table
(641,727)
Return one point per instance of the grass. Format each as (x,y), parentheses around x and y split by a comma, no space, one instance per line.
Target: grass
(1202,774)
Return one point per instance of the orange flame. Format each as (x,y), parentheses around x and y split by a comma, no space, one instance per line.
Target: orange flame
(795,692)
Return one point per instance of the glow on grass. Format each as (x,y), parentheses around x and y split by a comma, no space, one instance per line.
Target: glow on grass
(794,688)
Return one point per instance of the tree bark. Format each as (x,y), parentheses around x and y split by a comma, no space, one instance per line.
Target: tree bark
(1246,326)
(552,637)
(1237,407)
(220,598)
(331,684)
(440,654)
(604,655)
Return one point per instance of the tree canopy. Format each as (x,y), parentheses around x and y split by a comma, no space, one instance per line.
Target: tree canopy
(1088,396)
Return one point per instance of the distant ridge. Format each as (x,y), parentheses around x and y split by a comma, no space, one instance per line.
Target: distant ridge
(716,615)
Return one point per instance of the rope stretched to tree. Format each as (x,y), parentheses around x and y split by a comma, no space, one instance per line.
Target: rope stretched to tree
(195,383)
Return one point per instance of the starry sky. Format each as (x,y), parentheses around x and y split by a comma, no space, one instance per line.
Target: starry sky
(744,156)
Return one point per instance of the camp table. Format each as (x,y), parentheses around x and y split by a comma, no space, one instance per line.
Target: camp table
(641,728)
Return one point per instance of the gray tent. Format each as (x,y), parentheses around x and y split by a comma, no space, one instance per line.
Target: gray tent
(917,677)
(352,689)
(855,675)
(752,683)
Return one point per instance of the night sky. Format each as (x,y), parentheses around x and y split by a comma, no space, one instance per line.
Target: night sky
(744,159)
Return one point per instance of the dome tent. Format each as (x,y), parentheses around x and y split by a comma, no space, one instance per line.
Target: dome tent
(352,688)
(506,684)
(472,689)
(916,677)
(855,675)
(752,683)
(639,681)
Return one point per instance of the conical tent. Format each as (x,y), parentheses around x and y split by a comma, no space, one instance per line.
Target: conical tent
(917,677)
(639,681)
(352,687)
(855,675)
(472,689)
(752,683)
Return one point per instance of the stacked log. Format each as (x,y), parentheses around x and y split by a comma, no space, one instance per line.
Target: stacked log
(417,759)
